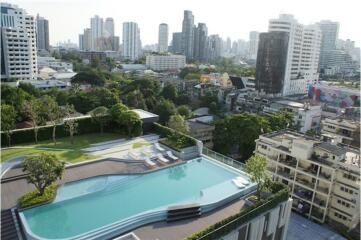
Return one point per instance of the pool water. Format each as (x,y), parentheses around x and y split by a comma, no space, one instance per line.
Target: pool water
(88,204)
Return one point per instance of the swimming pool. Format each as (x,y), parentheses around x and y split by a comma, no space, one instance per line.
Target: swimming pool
(99,207)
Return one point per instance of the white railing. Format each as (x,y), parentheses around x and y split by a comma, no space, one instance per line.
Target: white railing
(221,158)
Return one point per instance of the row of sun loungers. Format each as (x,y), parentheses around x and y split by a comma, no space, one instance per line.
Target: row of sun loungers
(148,158)
(240,182)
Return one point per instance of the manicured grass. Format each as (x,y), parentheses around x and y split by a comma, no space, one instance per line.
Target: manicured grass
(140,144)
(33,198)
(63,149)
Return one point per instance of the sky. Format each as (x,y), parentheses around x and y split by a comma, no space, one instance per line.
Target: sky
(228,18)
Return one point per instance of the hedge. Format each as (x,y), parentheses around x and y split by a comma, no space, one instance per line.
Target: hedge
(85,125)
(174,139)
(233,222)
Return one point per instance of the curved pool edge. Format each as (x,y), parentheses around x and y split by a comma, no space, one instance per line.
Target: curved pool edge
(155,215)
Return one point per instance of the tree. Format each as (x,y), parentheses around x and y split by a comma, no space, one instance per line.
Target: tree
(8,116)
(184,111)
(43,170)
(32,110)
(117,110)
(99,115)
(256,167)
(165,109)
(52,112)
(92,77)
(281,120)
(170,92)
(178,123)
(132,122)
(70,122)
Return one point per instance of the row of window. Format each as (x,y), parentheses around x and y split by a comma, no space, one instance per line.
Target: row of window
(347,190)
(340,216)
(343,203)
(349,176)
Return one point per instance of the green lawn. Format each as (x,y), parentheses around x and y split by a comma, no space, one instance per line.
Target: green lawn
(63,149)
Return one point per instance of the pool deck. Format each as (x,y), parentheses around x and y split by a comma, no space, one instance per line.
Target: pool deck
(16,185)
(182,229)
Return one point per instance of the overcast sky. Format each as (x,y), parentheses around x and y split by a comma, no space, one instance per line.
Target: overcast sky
(229,18)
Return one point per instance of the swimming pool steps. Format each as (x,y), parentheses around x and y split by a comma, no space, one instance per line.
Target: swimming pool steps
(182,212)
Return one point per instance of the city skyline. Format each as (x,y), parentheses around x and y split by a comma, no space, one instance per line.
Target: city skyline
(254,19)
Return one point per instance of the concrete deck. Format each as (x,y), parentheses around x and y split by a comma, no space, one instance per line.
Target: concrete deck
(182,229)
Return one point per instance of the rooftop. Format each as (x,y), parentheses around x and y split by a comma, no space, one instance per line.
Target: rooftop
(332,148)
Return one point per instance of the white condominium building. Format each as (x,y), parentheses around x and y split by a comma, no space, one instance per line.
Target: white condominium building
(96,26)
(163,38)
(323,178)
(18,44)
(165,62)
(302,56)
(131,41)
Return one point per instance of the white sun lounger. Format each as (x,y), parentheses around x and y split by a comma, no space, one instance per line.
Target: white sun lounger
(170,154)
(238,184)
(158,147)
(162,159)
(150,163)
(242,180)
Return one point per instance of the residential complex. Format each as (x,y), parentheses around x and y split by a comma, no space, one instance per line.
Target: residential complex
(131,41)
(253,44)
(163,38)
(342,130)
(323,178)
(297,47)
(165,62)
(18,44)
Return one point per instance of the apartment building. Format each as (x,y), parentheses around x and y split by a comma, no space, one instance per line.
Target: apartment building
(165,62)
(324,178)
(18,44)
(342,130)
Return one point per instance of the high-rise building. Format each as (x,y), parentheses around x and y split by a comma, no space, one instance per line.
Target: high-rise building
(96,26)
(42,33)
(200,42)
(329,31)
(18,44)
(271,62)
(131,41)
(163,38)
(85,40)
(214,47)
(177,42)
(108,30)
(187,34)
(253,45)
(301,65)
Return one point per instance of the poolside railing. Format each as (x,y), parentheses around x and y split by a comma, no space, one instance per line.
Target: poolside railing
(223,159)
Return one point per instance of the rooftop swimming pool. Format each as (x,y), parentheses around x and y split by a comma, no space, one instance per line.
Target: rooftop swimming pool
(100,207)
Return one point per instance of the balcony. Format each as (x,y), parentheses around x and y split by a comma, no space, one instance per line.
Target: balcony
(325,176)
(286,174)
(319,202)
(322,189)
(303,194)
(321,160)
(317,214)
(309,170)
(305,182)
(289,162)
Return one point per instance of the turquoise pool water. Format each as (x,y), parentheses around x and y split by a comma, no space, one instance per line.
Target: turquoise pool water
(89,204)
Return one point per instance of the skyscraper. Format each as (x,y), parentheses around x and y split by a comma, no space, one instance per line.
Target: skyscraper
(187,34)
(96,26)
(253,45)
(18,44)
(200,42)
(85,40)
(131,41)
(214,47)
(42,33)
(329,31)
(301,67)
(163,38)
(177,42)
(108,30)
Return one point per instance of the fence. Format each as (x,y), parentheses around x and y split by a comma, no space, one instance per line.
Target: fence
(221,158)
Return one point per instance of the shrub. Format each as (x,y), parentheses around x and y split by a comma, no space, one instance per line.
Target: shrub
(33,198)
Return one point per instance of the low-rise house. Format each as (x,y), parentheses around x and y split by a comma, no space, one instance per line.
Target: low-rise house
(202,129)
(342,130)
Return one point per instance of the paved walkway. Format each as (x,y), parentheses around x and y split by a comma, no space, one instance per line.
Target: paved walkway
(6,166)
(301,228)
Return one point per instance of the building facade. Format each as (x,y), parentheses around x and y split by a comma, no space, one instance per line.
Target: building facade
(96,26)
(323,178)
(108,30)
(342,130)
(131,41)
(42,33)
(18,44)
(329,31)
(200,42)
(163,38)
(302,58)
(165,62)
(177,42)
